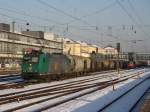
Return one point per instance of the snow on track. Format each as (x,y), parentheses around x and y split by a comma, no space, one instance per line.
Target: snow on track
(125,72)
(122,105)
(61,82)
(93,102)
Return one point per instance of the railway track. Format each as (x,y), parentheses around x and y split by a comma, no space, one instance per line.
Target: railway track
(103,109)
(17,84)
(59,91)
(10,81)
(57,86)
(110,83)
(107,75)
(140,98)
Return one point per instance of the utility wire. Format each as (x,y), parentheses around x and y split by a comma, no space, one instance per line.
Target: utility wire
(96,12)
(24,13)
(15,18)
(76,18)
(129,15)
(135,12)
(138,17)
(63,12)
(21,12)
(5,15)
(124,9)
(29,15)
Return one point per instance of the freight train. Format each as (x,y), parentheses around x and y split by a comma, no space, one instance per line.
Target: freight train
(55,66)
(39,65)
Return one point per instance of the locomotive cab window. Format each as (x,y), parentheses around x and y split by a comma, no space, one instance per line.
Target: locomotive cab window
(34,59)
(26,59)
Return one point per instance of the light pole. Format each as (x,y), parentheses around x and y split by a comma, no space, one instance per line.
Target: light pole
(13,26)
(118,60)
(27,24)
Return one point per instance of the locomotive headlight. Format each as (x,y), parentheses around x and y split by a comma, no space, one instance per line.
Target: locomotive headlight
(30,67)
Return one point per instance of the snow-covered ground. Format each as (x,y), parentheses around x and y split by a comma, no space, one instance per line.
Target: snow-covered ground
(29,87)
(87,103)
(95,101)
(114,75)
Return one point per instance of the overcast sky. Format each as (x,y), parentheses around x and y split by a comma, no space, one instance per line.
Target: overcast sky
(100,22)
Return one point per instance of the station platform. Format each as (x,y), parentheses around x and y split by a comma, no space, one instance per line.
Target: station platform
(144,103)
(145,106)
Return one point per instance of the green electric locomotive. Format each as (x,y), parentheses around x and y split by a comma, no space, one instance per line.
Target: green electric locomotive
(33,63)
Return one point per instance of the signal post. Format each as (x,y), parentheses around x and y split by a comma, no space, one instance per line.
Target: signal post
(118,60)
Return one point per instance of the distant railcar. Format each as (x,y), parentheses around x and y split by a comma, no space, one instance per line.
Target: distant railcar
(131,65)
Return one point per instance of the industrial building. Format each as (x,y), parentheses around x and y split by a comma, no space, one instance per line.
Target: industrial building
(4,26)
(83,49)
(13,44)
(108,50)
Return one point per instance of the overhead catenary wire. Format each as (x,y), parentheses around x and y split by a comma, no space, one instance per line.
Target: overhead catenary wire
(21,12)
(68,26)
(95,12)
(21,20)
(138,17)
(133,20)
(63,12)
(5,15)
(131,17)
(30,16)
(64,32)
(135,12)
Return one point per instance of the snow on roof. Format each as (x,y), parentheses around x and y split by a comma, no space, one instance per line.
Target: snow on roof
(95,46)
(109,47)
(68,40)
(80,42)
